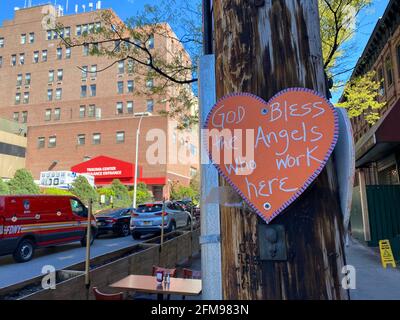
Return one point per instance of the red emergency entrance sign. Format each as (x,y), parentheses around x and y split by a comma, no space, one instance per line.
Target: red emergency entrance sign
(106,169)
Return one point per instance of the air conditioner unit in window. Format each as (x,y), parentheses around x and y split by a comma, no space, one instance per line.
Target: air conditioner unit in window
(142,114)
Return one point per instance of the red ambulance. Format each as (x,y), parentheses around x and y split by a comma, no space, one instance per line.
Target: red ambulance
(35,221)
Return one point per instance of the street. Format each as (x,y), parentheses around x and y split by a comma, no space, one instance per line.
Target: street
(373,282)
(59,257)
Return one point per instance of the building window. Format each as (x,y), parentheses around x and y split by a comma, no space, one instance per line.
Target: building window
(93,90)
(47,115)
(36,57)
(44,55)
(32,37)
(117,47)
(130,65)
(68,53)
(19,80)
(151,42)
(381,79)
(193,172)
(92,111)
(51,76)
(398,59)
(130,86)
(1,61)
(120,87)
(26,97)
(27,79)
(121,67)
(60,74)
(67,32)
(150,105)
(84,70)
(78,30)
(58,94)
(83,91)
(17,98)
(93,71)
(82,111)
(1,42)
(59,53)
(23,38)
(22,58)
(120,108)
(96,139)
(52,142)
(57,114)
(389,70)
(86,50)
(84,29)
(129,107)
(95,48)
(120,136)
(41,142)
(149,83)
(81,139)
(16,116)
(24,116)
(49,94)
(49,34)
(14,60)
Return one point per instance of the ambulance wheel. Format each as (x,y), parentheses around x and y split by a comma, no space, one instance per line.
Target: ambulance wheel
(92,236)
(24,251)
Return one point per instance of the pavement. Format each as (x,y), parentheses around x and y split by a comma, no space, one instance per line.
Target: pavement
(59,257)
(373,282)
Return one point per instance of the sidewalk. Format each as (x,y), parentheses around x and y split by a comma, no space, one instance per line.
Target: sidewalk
(373,282)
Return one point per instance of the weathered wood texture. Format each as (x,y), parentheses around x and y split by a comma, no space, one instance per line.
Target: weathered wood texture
(262,50)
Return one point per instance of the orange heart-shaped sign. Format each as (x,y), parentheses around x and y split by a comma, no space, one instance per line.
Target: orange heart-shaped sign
(271,152)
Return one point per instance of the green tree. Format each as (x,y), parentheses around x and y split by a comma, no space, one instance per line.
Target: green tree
(23,183)
(339,23)
(121,194)
(56,192)
(180,192)
(4,189)
(361,97)
(143,194)
(170,71)
(83,190)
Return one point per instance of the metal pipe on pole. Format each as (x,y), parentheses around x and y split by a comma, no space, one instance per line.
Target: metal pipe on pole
(88,243)
(136,163)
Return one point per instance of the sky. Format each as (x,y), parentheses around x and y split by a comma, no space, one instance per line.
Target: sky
(128,8)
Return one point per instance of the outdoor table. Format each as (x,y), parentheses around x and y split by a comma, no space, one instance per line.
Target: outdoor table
(148,284)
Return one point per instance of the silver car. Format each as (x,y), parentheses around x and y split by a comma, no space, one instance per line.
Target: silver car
(147,218)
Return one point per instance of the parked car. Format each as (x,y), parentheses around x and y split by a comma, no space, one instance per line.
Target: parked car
(189,206)
(114,221)
(34,221)
(147,218)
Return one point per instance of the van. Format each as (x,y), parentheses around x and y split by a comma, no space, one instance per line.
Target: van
(36,221)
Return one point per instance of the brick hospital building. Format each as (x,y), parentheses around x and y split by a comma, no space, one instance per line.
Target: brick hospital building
(79,118)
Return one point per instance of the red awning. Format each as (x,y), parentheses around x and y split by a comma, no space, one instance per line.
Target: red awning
(106,169)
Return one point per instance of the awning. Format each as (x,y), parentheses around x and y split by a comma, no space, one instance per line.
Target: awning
(106,169)
(380,139)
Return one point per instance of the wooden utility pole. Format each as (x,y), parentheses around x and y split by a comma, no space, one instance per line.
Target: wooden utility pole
(262,47)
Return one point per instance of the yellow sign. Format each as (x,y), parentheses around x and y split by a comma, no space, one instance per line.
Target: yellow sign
(386,253)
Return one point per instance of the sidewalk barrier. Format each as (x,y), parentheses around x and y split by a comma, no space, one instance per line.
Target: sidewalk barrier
(106,269)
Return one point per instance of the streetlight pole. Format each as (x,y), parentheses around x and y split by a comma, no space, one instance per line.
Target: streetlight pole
(136,162)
